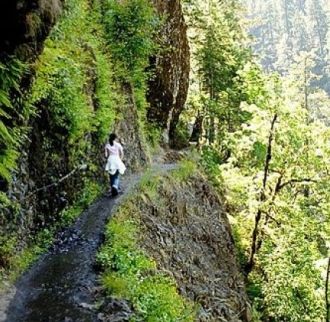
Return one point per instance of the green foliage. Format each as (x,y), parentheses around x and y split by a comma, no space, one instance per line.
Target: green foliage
(14,262)
(73,85)
(90,192)
(149,181)
(131,274)
(263,145)
(130,27)
(211,159)
(153,135)
(11,72)
(149,184)
(4,200)
(218,56)
(182,135)
(282,31)
(7,248)
(185,170)
(73,63)
(288,264)
(294,282)
(106,95)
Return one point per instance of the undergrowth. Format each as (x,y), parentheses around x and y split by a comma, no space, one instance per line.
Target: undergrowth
(186,168)
(131,27)
(74,95)
(131,32)
(74,78)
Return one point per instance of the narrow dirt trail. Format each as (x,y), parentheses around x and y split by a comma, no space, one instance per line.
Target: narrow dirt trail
(61,285)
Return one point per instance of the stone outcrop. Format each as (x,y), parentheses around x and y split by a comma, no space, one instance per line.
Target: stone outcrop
(51,172)
(24,25)
(169,86)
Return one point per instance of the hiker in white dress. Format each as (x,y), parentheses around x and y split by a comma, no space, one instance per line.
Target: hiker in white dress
(114,153)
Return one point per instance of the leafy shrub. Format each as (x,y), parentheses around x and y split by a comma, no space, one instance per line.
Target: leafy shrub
(89,193)
(7,250)
(182,135)
(70,57)
(153,135)
(149,183)
(130,27)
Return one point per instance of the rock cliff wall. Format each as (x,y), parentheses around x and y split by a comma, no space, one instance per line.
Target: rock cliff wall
(169,87)
(190,237)
(48,176)
(37,197)
(129,132)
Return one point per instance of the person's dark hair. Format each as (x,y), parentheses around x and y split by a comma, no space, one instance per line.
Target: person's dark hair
(112,137)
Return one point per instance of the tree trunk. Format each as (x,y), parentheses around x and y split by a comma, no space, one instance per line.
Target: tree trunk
(197,129)
(327,300)
(255,242)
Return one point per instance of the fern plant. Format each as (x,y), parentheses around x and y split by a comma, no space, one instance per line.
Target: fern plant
(11,72)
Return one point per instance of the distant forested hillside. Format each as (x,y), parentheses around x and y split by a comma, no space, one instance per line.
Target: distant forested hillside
(288,31)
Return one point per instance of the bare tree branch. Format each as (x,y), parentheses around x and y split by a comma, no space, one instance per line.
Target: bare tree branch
(293,181)
(272,218)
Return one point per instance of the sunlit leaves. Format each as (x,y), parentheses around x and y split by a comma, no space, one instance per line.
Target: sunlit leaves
(130,27)
(295,220)
(75,60)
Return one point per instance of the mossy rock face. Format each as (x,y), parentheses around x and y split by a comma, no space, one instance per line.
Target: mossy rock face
(169,87)
(64,129)
(71,97)
(24,25)
(129,132)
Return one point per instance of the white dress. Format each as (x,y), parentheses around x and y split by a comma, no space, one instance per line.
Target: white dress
(114,162)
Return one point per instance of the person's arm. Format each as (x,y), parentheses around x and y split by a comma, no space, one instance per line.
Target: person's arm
(121,151)
(106,152)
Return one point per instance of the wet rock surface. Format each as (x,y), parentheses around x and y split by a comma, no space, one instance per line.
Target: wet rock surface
(24,25)
(114,310)
(62,284)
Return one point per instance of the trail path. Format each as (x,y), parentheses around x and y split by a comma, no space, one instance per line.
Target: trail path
(61,285)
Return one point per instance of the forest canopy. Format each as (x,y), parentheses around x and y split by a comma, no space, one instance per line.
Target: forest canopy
(259,99)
